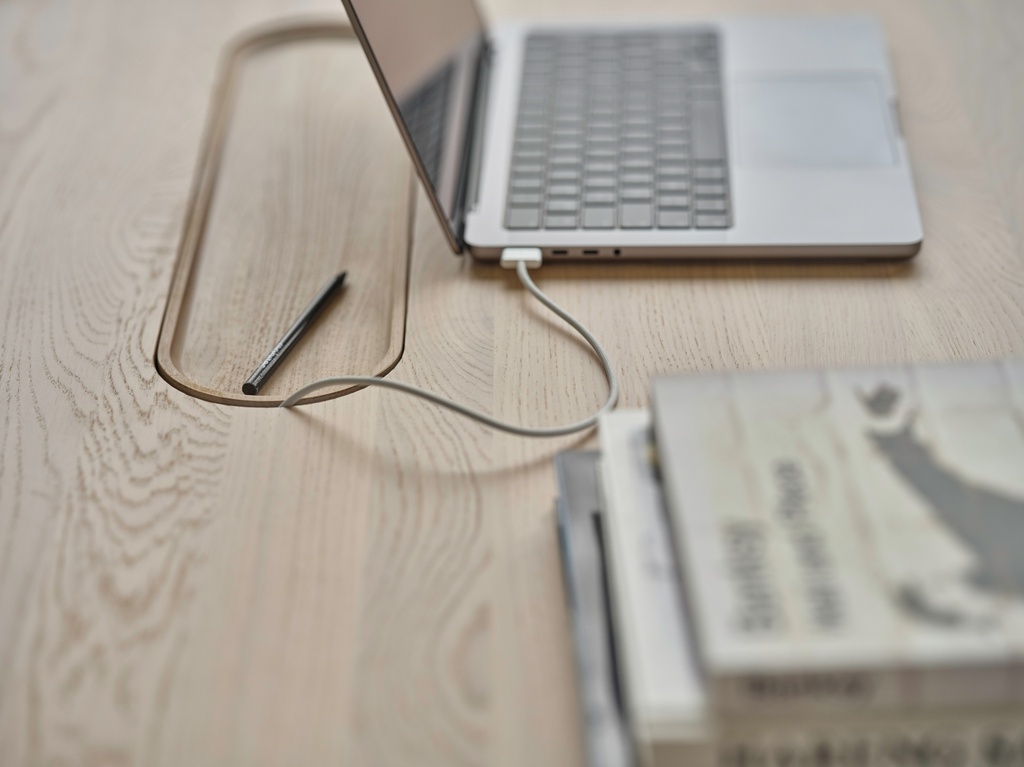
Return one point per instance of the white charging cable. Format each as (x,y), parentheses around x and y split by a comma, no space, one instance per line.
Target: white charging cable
(521,259)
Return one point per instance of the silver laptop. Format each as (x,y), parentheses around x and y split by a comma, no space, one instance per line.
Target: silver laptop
(648,139)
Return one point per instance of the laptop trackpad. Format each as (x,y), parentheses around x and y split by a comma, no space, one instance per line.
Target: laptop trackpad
(837,121)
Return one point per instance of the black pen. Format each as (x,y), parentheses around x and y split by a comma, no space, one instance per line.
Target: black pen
(273,359)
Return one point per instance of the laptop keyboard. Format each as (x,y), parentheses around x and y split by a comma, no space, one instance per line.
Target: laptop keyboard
(620,130)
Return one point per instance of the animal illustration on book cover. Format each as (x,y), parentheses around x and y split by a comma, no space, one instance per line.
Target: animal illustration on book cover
(880,511)
(985,514)
(986,519)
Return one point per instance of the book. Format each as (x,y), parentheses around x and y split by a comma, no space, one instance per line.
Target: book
(850,539)
(580,534)
(665,695)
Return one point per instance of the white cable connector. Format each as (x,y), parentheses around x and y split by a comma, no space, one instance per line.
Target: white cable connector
(511,257)
(520,259)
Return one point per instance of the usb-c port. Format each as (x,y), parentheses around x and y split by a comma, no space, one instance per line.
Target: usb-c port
(559,252)
(590,253)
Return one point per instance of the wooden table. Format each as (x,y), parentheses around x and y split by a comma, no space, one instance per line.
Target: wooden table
(372,581)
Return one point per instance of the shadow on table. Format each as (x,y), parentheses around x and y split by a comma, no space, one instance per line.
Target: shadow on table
(710,270)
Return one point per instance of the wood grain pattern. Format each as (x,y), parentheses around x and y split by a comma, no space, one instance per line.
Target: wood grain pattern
(371,581)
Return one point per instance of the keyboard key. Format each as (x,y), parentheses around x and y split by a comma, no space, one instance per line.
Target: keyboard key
(674,201)
(560,153)
(710,190)
(710,173)
(673,143)
(637,144)
(561,162)
(712,221)
(673,185)
(640,193)
(529,155)
(666,158)
(671,115)
(527,170)
(637,164)
(637,179)
(526,183)
(711,205)
(531,129)
(599,218)
(636,216)
(563,206)
(601,182)
(600,198)
(560,176)
(560,221)
(523,218)
(525,200)
(674,219)
(673,171)
(564,190)
(574,134)
(530,142)
(669,130)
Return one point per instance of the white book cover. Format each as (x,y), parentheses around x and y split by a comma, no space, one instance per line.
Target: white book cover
(851,538)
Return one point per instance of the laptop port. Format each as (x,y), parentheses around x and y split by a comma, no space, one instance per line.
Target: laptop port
(590,253)
(559,252)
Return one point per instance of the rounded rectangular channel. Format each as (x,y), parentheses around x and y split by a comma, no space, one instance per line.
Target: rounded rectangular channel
(303,176)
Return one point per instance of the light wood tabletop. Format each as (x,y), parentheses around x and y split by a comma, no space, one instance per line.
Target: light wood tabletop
(369,580)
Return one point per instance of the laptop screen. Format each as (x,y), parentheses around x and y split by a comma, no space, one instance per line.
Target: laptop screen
(426,52)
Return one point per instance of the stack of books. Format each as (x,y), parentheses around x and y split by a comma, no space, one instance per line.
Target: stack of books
(803,569)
